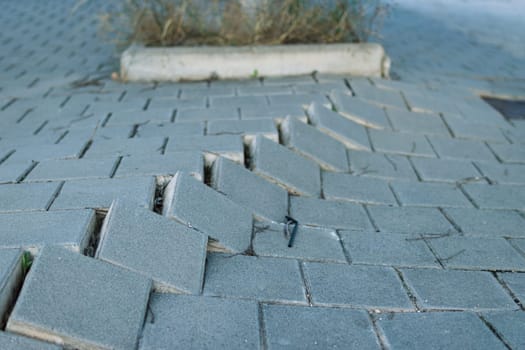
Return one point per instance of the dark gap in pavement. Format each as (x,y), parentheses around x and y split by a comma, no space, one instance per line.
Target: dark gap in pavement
(510,109)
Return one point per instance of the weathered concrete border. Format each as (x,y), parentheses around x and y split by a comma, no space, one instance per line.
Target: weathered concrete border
(140,63)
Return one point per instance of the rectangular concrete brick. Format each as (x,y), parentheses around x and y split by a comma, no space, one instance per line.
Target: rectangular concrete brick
(202,114)
(298,99)
(11,277)
(238,101)
(457,290)
(56,170)
(40,152)
(305,327)
(497,196)
(131,117)
(100,193)
(383,166)
(312,244)
(134,238)
(313,144)
(509,153)
(13,171)
(246,128)
(516,283)
(228,323)
(265,90)
(464,129)
(192,203)
(351,134)
(449,148)
(489,223)
(10,341)
(509,325)
(62,285)
(430,194)
(172,103)
(125,147)
(390,249)
(401,143)
(162,165)
(249,277)
(443,170)
(418,123)
(229,146)
(356,286)
(169,130)
(285,167)
(24,197)
(428,103)
(263,198)
(381,97)
(357,189)
(512,174)
(360,111)
(326,213)
(277,113)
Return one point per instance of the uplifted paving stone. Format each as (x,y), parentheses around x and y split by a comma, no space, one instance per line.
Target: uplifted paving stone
(437,330)
(171,254)
(442,170)
(451,289)
(63,285)
(229,146)
(360,111)
(326,213)
(192,203)
(25,197)
(382,166)
(388,249)
(357,286)
(162,165)
(351,134)
(11,276)
(100,193)
(264,279)
(512,174)
(189,322)
(34,230)
(516,283)
(314,244)
(263,198)
(430,194)
(247,128)
(401,143)
(357,189)
(489,223)
(315,327)
(509,324)
(170,130)
(10,341)
(497,196)
(285,167)
(72,169)
(311,143)
(449,148)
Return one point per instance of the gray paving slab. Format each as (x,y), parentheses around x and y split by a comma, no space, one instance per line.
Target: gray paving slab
(10,341)
(259,90)
(229,146)
(337,186)
(265,199)
(179,321)
(426,103)
(401,143)
(497,196)
(130,117)
(285,167)
(512,174)
(246,128)
(172,103)
(134,238)
(162,165)
(518,244)
(68,169)
(249,277)
(201,114)
(11,277)
(125,147)
(445,170)
(25,197)
(13,171)
(298,99)
(346,131)
(449,148)
(326,213)
(383,166)
(466,129)
(489,223)
(437,330)
(238,101)
(360,111)
(311,244)
(438,290)
(356,286)
(169,129)
(430,194)
(39,152)
(277,113)
(315,327)
(62,285)
(192,203)
(100,193)
(381,97)
(413,122)
(509,325)
(516,283)
(388,249)
(313,144)
(509,153)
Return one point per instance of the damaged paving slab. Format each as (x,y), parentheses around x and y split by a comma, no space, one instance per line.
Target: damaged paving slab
(308,212)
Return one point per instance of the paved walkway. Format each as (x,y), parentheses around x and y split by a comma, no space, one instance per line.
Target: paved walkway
(158,215)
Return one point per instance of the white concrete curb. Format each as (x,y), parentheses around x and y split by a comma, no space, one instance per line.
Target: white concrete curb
(140,63)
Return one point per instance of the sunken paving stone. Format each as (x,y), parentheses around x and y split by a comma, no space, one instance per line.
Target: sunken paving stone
(516,283)
(497,196)
(449,148)
(509,153)
(11,341)
(437,330)
(430,194)
(220,113)
(360,111)
(54,170)
(229,146)
(489,223)
(48,306)
(135,238)
(326,213)
(449,289)
(192,203)
(11,276)
(441,170)
(278,164)
(401,143)
(100,193)
(312,244)
(508,324)
(422,123)
(351,134)
(475,253)
(356,286)
(125,147)
(246,128)
(188,322)
(162,165)
(357,189)
(311,143)
(383,166)
(315,327)
(265,199)
(34,230)
(170,130)
(512,174)
(388,249)
(23,197)
(249,277)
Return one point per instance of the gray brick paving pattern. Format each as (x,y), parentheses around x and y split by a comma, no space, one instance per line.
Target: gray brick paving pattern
(409,193)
